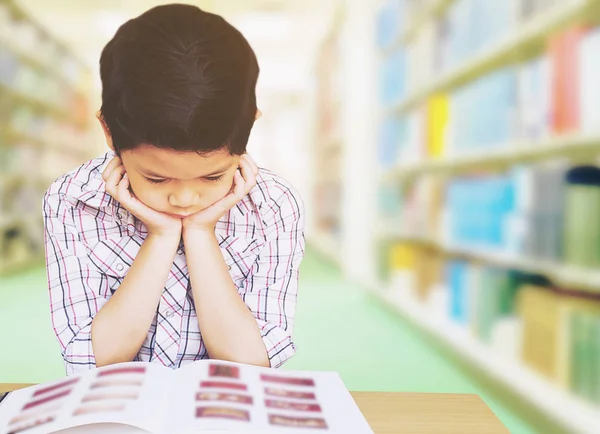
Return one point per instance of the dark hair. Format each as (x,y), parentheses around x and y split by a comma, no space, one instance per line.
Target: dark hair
(180,78)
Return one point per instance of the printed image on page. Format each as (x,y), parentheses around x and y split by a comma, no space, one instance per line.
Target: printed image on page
(298,402)
(341,412)
(218,395)
(213,395)
(131,394)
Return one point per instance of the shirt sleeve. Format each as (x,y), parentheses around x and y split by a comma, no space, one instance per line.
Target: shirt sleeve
(272,284)
(74,284)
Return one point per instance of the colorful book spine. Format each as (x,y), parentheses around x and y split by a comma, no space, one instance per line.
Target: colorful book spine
(589,91)
(581,233)
(563,51)
(534,104)
(438,113)
(392,81)
(390,23)
(539,309)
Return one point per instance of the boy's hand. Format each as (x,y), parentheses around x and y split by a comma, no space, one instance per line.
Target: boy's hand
(243,181)
(117,185)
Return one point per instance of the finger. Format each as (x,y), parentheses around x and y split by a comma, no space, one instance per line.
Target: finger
(247,182)
(226,203)
(248,173)
(252,163)
(114,163)
(114,178)
(123,189)
(126,197)
(220,207)
(239,185)
(231,199)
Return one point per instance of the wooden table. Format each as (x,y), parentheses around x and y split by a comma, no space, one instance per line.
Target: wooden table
(414,413)
(424,413)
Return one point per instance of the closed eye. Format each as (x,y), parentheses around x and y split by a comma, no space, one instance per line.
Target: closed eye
(214,178)
(154,180)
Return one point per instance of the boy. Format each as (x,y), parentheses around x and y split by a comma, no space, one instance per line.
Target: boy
(175,246)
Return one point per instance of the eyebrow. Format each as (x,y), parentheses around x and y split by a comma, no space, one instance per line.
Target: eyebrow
(151,174)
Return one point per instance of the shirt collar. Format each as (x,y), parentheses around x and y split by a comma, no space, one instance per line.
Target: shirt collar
(94,195)
(93,192)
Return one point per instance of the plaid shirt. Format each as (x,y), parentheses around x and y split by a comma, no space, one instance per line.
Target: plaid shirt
(91,241)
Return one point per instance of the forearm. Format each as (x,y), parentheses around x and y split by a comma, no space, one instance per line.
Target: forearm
(120,327)
(229,329)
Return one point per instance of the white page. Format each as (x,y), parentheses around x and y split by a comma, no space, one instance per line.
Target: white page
(128,393)
(319,400)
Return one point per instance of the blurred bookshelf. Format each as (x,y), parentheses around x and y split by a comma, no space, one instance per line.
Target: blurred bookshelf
(527,38)
(574,414)
(575,147)
(328,145)
(489,189)
(44,116)
(577,278)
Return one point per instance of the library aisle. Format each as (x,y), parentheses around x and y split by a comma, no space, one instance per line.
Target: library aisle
(490,187)
(339,328)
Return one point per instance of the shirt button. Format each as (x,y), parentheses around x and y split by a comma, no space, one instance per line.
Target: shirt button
(120,267)
(169,314)
(180,251)
(123,215)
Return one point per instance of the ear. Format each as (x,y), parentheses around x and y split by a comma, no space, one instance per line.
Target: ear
(258,115)
(107,135)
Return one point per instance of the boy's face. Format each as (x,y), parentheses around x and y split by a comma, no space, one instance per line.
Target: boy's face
(179,183)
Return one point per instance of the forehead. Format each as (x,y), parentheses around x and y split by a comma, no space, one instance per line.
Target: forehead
(172,164)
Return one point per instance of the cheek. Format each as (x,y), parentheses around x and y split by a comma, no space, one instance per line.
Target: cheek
(145,192)
(157,197)
(216,192)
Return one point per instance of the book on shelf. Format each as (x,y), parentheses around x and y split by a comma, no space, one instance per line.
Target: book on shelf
(437,120)
(560,338)
(589,90)
(202,397)
(564,49)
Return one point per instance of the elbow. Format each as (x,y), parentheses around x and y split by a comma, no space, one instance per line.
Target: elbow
(254,357)
(259,360)
(263,362)
(106,349)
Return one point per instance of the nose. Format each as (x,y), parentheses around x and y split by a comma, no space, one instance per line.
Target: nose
(184,198)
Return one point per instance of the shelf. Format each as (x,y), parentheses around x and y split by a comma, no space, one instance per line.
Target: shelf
(524,40)
(58,113)
(22,13)
(39,65)
(432,10)
(10,137)
(559,405)
(571,146)
(570,276)
(326,244)
(40,182)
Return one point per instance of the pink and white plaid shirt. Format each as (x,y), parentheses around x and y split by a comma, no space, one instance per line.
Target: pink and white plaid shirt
(91,241)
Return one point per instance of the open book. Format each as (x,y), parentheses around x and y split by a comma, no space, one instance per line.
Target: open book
(204,396)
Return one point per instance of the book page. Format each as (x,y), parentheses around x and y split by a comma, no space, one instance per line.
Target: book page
(215,395)
(128,393)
